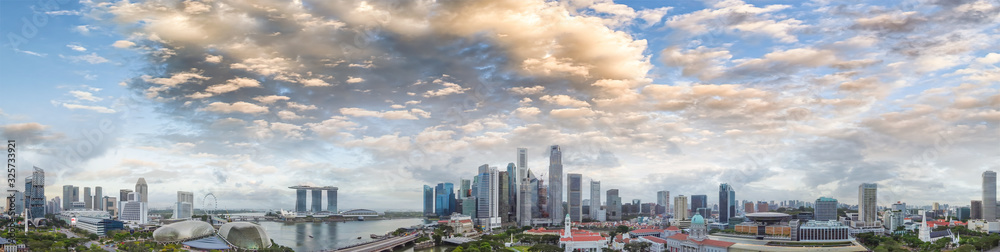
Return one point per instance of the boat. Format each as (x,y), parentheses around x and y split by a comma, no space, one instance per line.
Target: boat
(359,237)
(310,236)
(373,236)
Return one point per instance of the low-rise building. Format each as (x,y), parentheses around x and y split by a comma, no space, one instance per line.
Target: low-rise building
(99,226)
(823,231)
(656,243)
(697,240)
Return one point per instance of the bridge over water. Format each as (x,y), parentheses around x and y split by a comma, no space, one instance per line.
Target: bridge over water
(384,245)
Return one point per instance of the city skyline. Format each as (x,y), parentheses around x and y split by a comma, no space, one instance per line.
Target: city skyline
(378,98)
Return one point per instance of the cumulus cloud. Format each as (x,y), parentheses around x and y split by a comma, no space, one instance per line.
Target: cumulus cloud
(123,44)
(240,107)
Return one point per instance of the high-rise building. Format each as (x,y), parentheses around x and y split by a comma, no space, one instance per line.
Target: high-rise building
(681,207)
(595,199)
(522,158)
(444,194)
(184,208)
(867,203)
(317,200)
(989,196)
(300,200)
(98,198)
(555,189)
(762,206)
(976,207)
(465,189)
(142,190)
(528,191)
(123,195)
(899,206)
(18,202)
(34,188)
(575,190)
(825,209)
(614,205)
(699,204)
(512,196)
(487,210)
(503,194)
(111,205)
(748,207)
(428,200)
(542,202)
(88,199)
(331,199)
(663,200)
(727,203)
(67,197)
(134,211)
(76,194)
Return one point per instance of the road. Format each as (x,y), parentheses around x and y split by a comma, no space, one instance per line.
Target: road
(376,245)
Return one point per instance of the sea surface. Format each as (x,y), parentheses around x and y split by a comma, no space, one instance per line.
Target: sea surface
(320,236)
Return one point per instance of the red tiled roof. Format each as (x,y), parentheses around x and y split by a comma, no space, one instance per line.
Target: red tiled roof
(679,237)
(655,239)
(707,242)
(645,230)
(673,228)
(442,221)
(465,221)
(715,243)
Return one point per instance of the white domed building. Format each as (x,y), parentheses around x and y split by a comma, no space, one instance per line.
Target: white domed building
(245,235)
(697,240)
(183,231)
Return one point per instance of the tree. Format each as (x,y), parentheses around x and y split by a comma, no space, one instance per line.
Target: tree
(544,248)
(637,246)
(485,246)
(458,249)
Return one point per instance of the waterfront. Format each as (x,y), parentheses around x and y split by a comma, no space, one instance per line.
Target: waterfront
(331,235)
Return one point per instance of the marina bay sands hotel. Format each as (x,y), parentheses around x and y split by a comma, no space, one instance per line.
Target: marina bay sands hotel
(317,198)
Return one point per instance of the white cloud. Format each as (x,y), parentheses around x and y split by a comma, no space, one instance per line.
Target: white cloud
(86,96)
(353,80)
(91,58)
(233,85)
(448,89)
(236,107)
(270,99)
(98,109)
(564,100)
(123,44)
(527,90)
(177,78)
(213,58)
(77,48)
(412,114)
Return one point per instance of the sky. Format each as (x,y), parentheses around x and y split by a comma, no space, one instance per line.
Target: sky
(242,99)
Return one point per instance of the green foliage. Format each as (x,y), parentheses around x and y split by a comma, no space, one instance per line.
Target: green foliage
(544,248)
(458,249)
(637,247)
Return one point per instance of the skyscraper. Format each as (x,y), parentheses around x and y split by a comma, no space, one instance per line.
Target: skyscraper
(88,199)
(699,204)
(503,193)
(595,199)
(575,182)
(300,200)
(555,185)
(825,209)
(989,196)
(34,188)
(977,209)
(614,205)
(67,197)
(99,198)
(867,203)
(428,200)
(123,195)
(331,199)
(727,203)
(513,181)
(184,207)
(317,200)
(681,207)
(663,199)
(465,188)
(142,190)
(444,195)
(527,196)
(522,158)
(488,195)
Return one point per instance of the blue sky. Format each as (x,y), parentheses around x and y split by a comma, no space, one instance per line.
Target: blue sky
(781,99)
